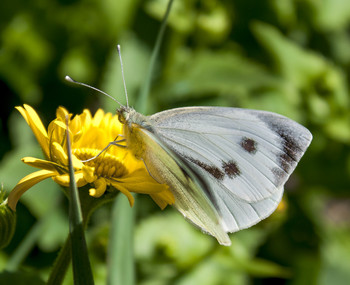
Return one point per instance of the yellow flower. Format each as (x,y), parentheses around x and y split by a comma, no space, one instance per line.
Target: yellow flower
(115,167)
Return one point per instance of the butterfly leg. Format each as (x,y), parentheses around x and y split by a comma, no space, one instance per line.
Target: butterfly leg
(150,174)
(116,142)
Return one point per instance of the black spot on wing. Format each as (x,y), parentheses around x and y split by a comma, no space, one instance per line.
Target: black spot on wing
(290,133)
(291,151)
(249,145)
(279,175)
(231,169)
(211,169)
(286,162)
(290,146)
(190,172)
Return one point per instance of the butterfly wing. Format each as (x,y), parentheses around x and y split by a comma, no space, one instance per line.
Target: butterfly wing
(243,156)
(187,186)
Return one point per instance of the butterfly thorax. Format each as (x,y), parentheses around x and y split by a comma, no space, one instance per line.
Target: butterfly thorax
(133,123)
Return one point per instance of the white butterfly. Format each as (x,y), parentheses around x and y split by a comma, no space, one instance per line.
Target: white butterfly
(225,166)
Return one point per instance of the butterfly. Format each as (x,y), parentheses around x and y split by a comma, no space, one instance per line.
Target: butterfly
(225,166)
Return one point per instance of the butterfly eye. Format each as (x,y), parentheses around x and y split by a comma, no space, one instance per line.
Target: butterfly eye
(121,116)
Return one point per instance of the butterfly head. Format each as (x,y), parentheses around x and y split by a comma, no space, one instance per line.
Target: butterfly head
(123,114)
(128,116)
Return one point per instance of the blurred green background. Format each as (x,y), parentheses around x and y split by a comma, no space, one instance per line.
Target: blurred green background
(287,56)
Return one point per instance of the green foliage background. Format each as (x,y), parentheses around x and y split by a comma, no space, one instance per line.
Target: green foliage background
(287,56)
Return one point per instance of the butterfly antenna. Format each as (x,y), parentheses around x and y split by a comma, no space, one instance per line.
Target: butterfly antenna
(93,88)
(121,65)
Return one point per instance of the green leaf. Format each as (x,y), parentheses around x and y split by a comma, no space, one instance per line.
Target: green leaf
(317,80)
(206,72)
(335,254)
(330,15)
(195,258)
(160,231)
(298,65)
(120,249)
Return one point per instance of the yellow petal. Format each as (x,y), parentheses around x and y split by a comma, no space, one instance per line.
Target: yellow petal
(40,163)
(76,137)
(75,127)
(101,186)
(25,183)
(36,125)
(86,118)
(60,124)
(62,156)
(61,113)
(98,117)
(105,121)
(140,182)
(163,198)
(59,154)
(122,189)
(136,167)
(145,187)
(77,164)
(55,133)
(64,179)
(75,123)
(89,173)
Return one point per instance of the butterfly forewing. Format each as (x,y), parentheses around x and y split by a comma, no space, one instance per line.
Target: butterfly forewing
(188,188)
(244,156)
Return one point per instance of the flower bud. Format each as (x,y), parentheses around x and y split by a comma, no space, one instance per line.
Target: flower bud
(7,222)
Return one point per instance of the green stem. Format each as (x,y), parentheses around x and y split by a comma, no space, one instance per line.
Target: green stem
(75,247)
(61,264)
(143,97)
(82,272)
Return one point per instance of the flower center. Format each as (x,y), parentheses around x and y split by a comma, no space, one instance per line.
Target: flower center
(106,165)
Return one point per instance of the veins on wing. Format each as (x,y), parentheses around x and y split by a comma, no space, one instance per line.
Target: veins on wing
(233,169)
(244,133)
(228,168)
(285,161)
